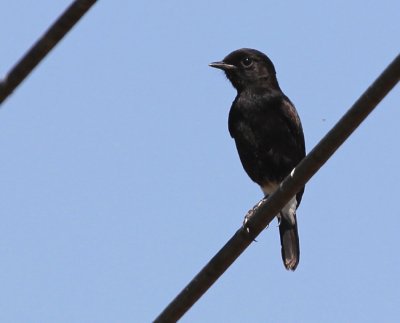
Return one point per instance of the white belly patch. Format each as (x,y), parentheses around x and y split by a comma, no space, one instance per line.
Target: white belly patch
(289,210)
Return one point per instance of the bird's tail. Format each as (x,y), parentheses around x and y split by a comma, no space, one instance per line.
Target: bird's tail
(290,247)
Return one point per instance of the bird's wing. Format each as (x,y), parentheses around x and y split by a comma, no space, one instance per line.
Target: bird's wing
(293,122)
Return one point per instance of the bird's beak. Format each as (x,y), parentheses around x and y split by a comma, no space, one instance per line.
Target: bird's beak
(222,66)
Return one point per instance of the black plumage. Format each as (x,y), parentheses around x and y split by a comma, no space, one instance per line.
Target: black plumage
(268,134)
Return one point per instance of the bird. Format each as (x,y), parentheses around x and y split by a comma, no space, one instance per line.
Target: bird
(268,135)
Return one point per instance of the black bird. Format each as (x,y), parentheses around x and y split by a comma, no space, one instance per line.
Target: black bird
(268,135)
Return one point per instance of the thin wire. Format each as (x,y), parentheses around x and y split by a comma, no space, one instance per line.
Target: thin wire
(266,210)
(43,46)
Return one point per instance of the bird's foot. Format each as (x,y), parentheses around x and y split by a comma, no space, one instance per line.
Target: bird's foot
(246,219)
(250,213)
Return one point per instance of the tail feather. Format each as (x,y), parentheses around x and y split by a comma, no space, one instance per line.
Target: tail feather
(290,247)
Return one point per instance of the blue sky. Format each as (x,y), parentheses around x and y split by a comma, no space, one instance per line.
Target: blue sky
(119,180)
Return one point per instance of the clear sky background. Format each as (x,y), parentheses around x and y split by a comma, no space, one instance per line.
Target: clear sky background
(119,180)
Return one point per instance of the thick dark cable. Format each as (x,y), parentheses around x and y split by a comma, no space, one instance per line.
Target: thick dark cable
(264,213)
(43,46)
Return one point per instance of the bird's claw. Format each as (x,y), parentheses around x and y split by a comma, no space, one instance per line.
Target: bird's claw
(249,215)
(246,219)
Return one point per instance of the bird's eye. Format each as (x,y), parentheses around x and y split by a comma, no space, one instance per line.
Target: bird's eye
(247,61)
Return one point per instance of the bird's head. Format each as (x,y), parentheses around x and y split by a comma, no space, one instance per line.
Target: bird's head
(247,68)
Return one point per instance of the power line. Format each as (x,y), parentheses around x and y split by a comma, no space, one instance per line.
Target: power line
(266,210)
(264,213)
(43,46)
